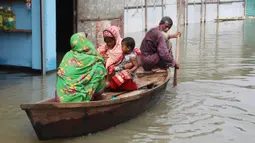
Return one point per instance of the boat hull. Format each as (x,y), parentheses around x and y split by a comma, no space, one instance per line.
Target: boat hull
(55,123)
(52,120)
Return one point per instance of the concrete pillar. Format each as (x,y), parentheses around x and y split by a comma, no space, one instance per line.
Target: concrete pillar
(186,12)
(244,8)
(218,9)
(205,11)
(145,16)
(93,16)
(180,12)
(201,12)
(162,8)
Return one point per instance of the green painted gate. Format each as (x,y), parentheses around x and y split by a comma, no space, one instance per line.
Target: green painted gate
(250,7)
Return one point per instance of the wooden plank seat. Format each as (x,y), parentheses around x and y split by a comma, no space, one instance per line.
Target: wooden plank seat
(141,85)
(141,73)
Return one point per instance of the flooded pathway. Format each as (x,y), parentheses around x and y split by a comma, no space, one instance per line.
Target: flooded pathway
(214,101)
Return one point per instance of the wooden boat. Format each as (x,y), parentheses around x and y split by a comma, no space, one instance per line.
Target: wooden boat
(52,120)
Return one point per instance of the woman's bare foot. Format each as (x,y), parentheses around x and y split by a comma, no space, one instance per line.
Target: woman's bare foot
(107,84)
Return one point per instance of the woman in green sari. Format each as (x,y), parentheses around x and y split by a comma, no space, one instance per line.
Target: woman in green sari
(81,74)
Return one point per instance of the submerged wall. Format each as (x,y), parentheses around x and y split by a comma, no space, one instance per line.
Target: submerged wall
(22,48)
(93,16)
(250,8)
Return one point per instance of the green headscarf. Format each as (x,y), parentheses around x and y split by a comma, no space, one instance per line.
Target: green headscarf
(81,73)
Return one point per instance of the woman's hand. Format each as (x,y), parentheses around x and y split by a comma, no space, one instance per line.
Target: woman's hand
(111,70)
(105,56)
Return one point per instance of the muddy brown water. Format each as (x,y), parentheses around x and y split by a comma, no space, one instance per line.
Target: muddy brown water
(213,102)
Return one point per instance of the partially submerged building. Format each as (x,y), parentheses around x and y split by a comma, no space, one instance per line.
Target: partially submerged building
(43,29)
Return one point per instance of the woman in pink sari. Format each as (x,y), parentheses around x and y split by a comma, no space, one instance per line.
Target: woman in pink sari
(112,53)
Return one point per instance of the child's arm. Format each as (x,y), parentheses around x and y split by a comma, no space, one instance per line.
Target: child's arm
(128,66)
(133,60)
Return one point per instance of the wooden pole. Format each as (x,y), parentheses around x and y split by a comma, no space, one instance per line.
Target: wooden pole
(186,38)
(217,41)
(204,11)
(200,37)
(177,61)
(146,14)
(218,8)
(217,33)
(177,43)
(201,12)
(204,35)
(162,3)
(244,31)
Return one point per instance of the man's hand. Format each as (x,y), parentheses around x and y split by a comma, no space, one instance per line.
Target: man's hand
(177,66)
(177,34)
(171,36)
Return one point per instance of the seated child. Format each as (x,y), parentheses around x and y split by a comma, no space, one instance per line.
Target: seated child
(123,72)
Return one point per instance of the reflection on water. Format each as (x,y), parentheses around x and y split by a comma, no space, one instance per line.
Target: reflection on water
(135,19)
(213,102)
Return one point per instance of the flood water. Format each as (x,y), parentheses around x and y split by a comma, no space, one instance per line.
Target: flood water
(213,102)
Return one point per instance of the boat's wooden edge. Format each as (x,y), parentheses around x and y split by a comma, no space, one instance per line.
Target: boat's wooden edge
(144,73)
(108,97)
(78,105)
(49,105)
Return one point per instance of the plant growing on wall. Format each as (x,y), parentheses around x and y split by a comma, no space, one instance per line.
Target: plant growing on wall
(9,19)
(1,17)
